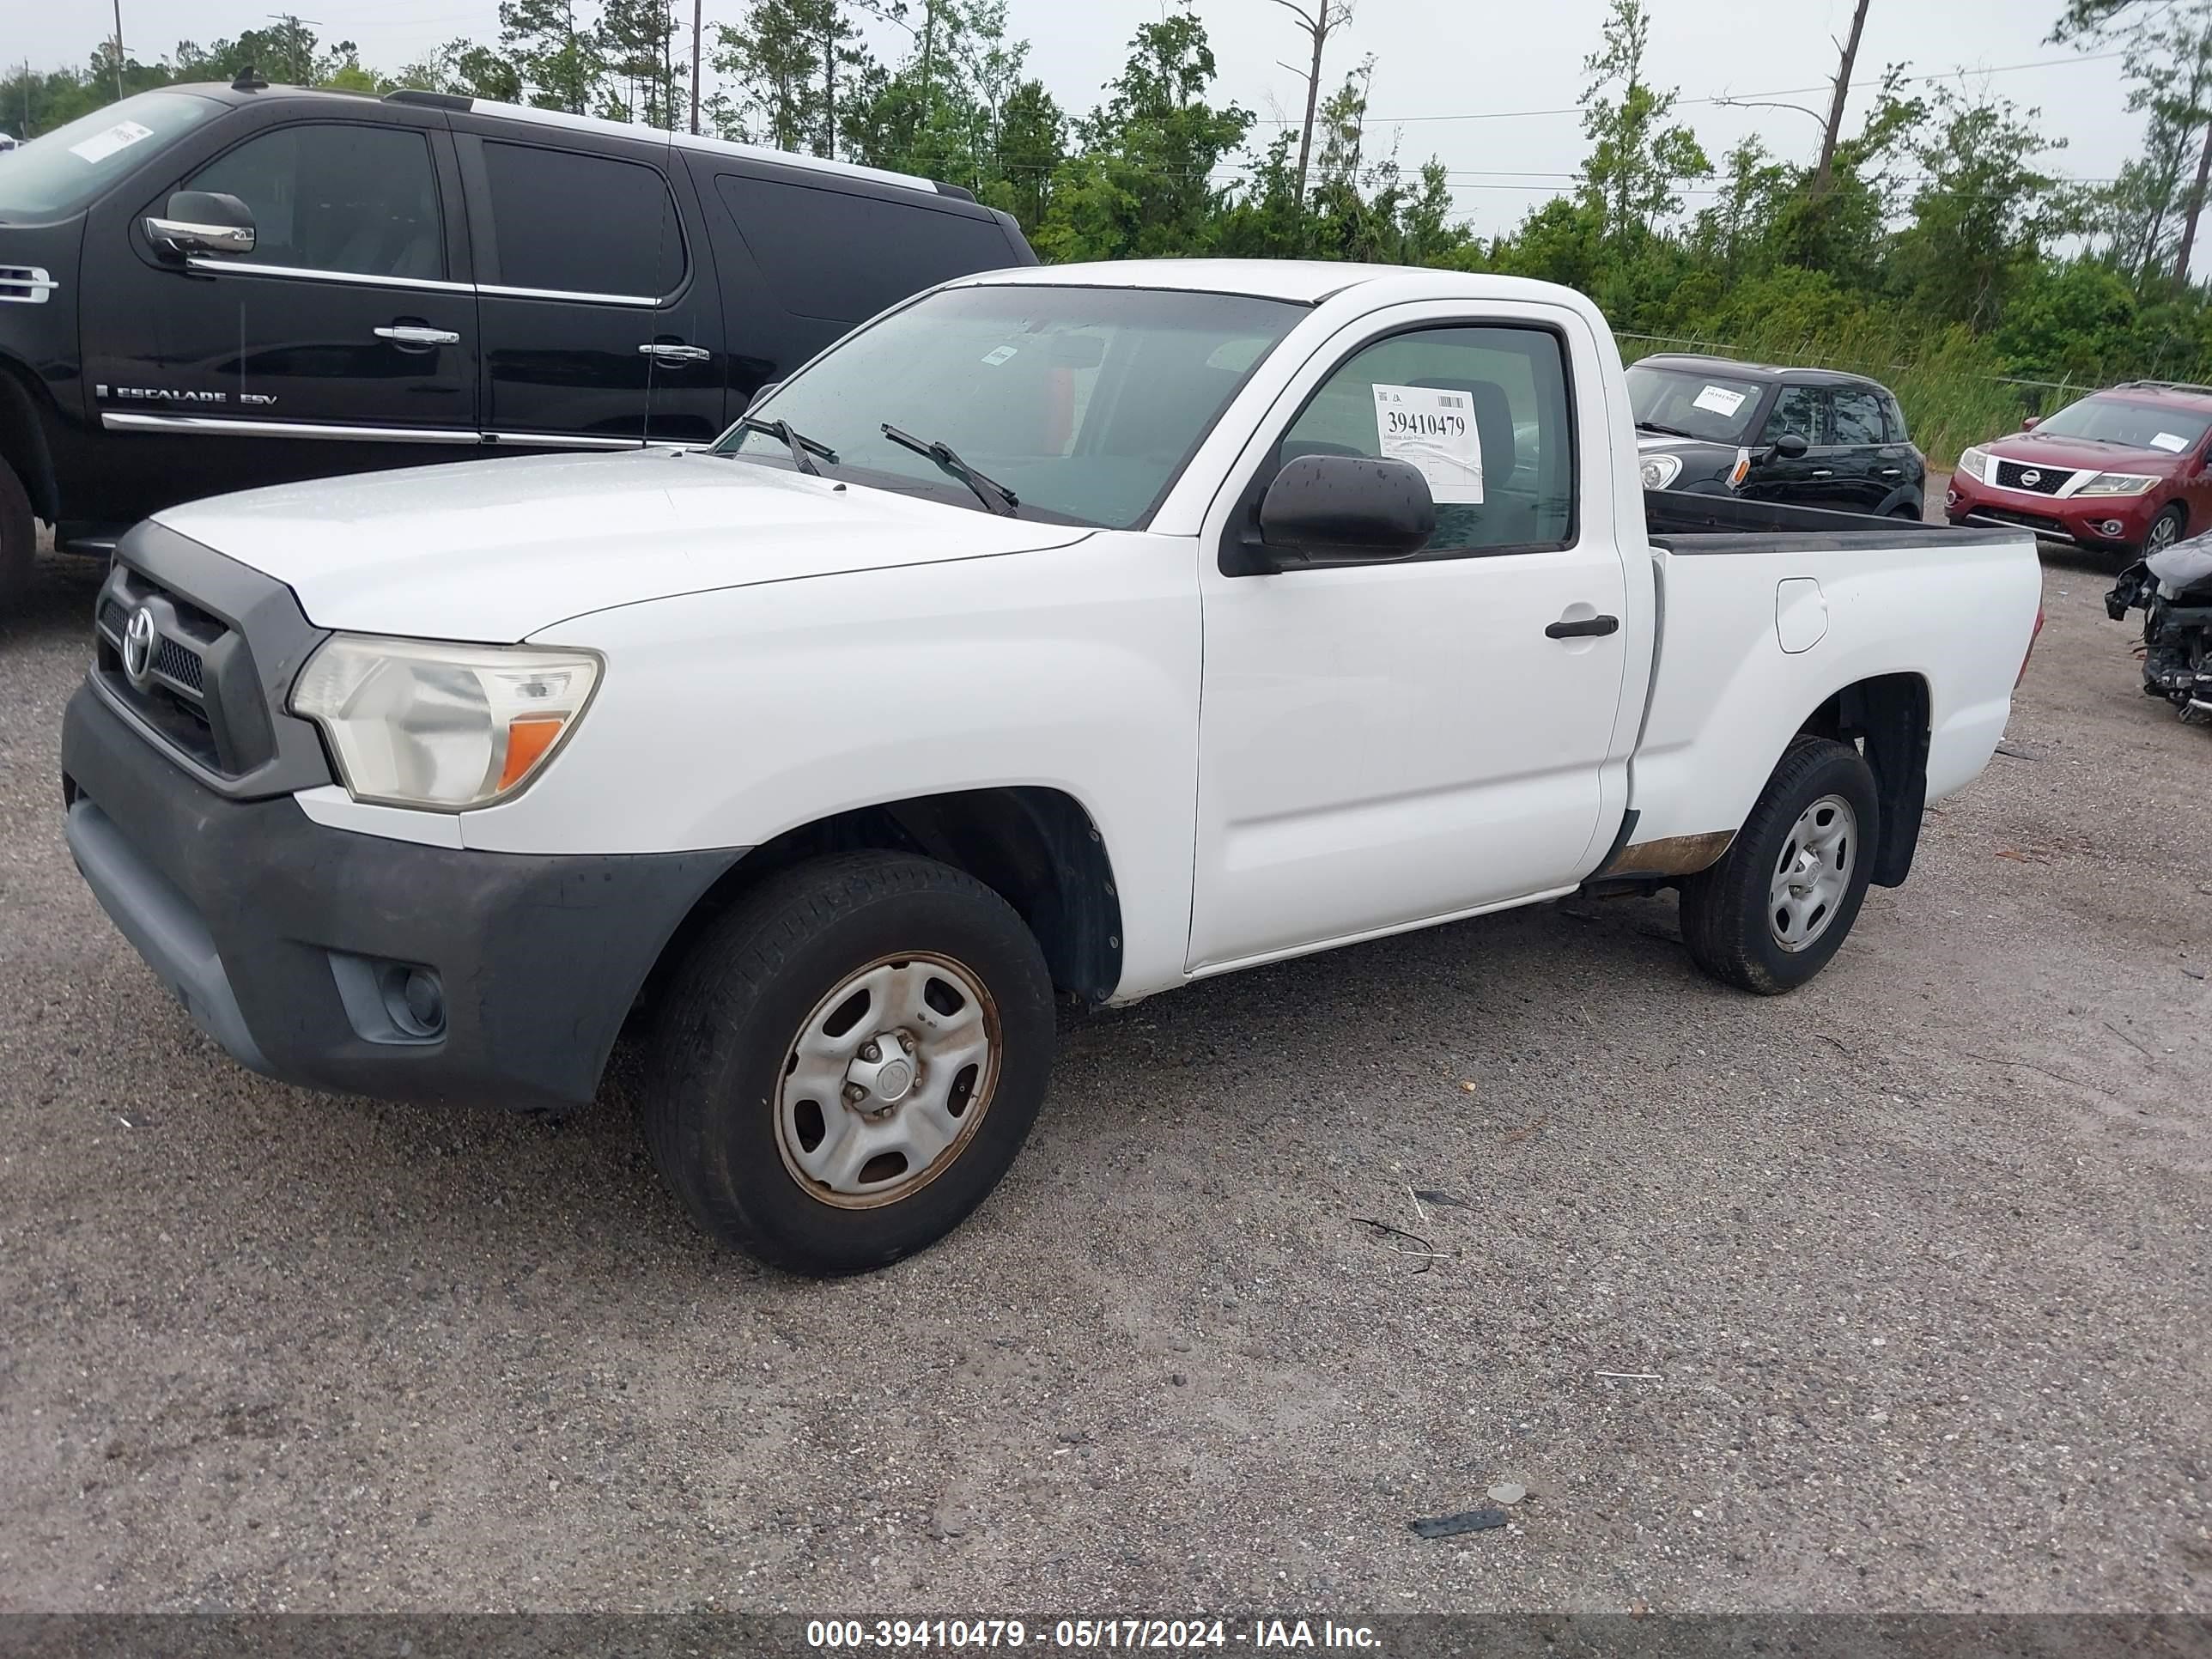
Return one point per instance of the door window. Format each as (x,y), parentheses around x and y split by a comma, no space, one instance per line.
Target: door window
(1857,414)
(1801,410)
(1893,421)
(582,224)
(1482,411)
(359,200)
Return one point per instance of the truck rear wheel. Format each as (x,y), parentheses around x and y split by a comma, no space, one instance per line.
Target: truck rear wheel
(18,538)
(1779,904)
(849,1060)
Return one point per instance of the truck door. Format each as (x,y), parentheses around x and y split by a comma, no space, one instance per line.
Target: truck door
(345,338)
(1383,744)
(602,325)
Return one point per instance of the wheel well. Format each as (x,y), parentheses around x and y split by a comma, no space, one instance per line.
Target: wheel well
(1886,718)
(1036,848)
(23,445)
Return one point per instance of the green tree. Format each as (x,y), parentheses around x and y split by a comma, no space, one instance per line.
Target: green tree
(554,57)
(1982,215)
(1637,163)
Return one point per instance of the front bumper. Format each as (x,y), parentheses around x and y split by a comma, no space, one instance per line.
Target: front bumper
(2101,522)
(288,941)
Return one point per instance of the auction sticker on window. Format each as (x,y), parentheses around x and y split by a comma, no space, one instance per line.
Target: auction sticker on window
(1720,400)
(101,145)
(1434,431)
(2172,442)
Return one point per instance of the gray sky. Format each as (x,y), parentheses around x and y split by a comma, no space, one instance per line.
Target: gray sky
(1434,57)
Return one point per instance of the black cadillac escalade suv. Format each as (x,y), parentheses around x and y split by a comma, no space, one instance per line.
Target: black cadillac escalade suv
(209,288)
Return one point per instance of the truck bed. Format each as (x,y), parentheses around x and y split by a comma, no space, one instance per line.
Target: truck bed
(1682,521)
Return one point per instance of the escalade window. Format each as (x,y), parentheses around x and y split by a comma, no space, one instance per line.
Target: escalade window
(570,223)
(1085,401)
(61,171)
(358,200)
(804,238)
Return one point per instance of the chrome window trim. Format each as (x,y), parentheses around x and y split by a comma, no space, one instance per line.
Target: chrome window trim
(232,267)
(36,278)
(117,420)
(501,291)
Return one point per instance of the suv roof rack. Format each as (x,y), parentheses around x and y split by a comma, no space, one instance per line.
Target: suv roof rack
(430,100)
(2188,387)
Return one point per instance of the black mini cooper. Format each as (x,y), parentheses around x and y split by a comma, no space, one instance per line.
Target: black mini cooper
(1808,437)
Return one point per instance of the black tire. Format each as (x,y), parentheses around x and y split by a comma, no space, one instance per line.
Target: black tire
(729,1031)
(18,538)
(1726,921)
(2178,516)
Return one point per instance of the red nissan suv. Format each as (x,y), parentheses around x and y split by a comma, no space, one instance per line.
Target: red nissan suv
(2125,471)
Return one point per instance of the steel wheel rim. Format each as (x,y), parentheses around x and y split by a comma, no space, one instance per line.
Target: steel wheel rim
(2163,534)
(886,1080)
(1813,874)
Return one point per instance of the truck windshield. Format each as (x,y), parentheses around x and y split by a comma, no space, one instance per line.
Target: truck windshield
(1692,403)
(1084,402)
(59,171)
(2138,426)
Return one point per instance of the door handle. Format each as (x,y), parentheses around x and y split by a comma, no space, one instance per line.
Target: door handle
(1893,472)
(1589,628)
(1824,473)
(662,351)
(412,334)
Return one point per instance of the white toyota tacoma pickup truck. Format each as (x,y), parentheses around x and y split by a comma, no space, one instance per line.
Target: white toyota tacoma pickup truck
(1082,631)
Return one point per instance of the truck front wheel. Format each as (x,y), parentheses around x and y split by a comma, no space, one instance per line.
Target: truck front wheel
(1768,916)
(17,538)
(848,1060)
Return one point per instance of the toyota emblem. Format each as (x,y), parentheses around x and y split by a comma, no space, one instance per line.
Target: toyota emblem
(139,635)
(2031,478)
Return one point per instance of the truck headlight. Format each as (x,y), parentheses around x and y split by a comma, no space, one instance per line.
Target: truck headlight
(413,723)
(2117,484)
(1975,463)
(1660,471)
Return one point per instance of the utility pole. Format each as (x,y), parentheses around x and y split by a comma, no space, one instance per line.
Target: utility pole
(1824,174)
(2196,212)
(696,6)
(119,48)
(294,40)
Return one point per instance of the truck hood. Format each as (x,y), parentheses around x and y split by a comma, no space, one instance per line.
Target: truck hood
(498,550)
(2034,449)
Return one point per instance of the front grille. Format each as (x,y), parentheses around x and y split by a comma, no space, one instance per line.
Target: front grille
(2025,520)
(2042,480)
(173,696)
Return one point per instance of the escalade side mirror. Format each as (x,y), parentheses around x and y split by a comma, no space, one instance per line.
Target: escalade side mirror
(1347,506)
(202,222)
(1791,447)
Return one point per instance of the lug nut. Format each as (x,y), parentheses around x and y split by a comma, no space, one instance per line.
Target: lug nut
(870,1053)
(855,1093)
(906,1042)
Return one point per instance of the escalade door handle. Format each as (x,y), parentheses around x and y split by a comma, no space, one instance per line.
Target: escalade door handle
(664,351)
(1893,472)
(414,334)
(1587,627)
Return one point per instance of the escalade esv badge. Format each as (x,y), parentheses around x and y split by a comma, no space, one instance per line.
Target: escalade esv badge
(139,635)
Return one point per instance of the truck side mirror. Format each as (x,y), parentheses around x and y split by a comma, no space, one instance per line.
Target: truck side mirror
(1347,506)
(202,222)
(1791,447)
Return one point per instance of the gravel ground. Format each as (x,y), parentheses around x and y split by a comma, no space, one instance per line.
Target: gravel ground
(1916,1261)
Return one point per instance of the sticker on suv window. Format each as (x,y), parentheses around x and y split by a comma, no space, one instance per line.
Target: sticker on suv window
(101,145)
(1720,400)
(2172,443)
(1433,430)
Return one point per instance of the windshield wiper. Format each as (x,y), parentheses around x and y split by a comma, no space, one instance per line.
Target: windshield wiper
(1664,431)
(801,447)
(992,494)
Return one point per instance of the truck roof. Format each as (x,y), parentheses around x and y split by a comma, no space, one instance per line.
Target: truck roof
(561,120)
(1301,281)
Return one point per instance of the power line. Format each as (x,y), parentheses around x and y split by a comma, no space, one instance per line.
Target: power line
(1718,98)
